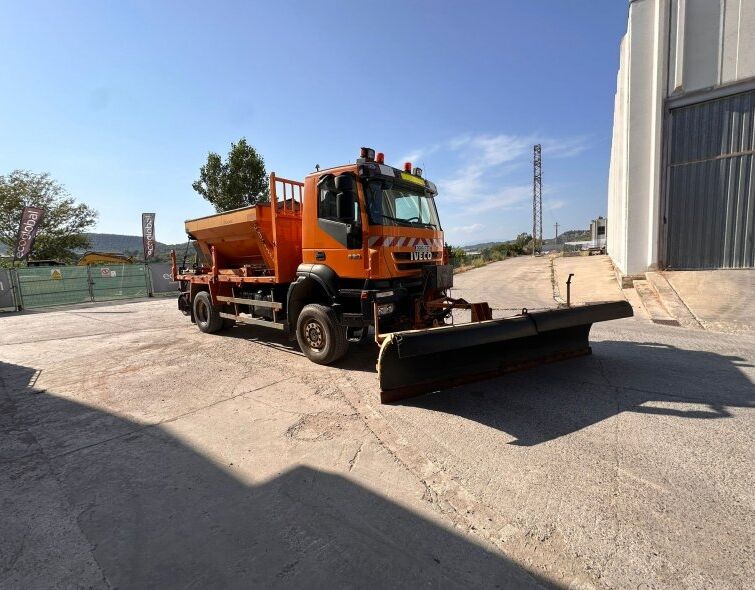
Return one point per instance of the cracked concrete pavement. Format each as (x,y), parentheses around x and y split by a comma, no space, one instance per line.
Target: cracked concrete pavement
(138,452)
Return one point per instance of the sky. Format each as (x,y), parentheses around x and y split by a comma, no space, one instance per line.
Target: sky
(122,101)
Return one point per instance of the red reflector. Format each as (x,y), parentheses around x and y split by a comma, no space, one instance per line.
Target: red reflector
(380,158)
(408,167)
(363,296)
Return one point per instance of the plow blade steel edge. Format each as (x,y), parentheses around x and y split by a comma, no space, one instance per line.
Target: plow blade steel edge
(419,361)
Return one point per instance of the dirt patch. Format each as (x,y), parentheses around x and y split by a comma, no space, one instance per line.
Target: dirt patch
(319,427)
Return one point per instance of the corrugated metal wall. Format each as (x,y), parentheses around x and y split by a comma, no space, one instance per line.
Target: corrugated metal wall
(710,192)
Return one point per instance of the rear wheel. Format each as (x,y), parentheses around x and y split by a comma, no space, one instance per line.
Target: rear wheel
(206,314)
(319,335)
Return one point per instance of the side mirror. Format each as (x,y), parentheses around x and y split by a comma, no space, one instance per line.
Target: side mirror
(346,197)
(347,209)
(344,183)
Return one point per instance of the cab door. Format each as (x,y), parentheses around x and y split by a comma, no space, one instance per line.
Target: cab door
(339,242)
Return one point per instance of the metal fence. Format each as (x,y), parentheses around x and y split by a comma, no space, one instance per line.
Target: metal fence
(35,287)
(53,285)
(160,279)
(7,300)
(119,281)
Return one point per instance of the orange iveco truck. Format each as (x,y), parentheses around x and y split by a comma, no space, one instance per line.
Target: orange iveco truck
(356,247)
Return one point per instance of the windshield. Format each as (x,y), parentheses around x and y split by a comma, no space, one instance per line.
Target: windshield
(400,206)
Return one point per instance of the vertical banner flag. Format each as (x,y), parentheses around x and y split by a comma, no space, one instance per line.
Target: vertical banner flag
(31,219)
(148,235)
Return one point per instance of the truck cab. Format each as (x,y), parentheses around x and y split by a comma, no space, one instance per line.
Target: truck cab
(371,221)
(376,228)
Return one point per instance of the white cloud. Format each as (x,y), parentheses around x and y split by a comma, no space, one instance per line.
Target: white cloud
(487,180)
(484,159)
(467,229)
(479,157)
(554,205)
(564,148)
(510,197)
(416,156)
(413,157)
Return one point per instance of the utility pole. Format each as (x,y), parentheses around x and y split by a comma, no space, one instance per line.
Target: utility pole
(557,232)
(537,201)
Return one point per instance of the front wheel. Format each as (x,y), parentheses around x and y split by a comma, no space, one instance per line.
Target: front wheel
(319,335)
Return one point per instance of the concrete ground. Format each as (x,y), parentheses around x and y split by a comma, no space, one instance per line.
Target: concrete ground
(594,279)
(721,300)
(139,452)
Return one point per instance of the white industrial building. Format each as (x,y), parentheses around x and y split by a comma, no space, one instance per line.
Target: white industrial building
(681,191)
(598,232)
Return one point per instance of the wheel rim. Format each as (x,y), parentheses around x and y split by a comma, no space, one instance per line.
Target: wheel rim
(202,312)
(314,335)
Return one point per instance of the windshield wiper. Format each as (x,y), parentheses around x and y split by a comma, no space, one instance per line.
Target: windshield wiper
(396,219)
(411,223)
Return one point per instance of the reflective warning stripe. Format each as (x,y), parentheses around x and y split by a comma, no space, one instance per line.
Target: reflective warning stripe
(403,242)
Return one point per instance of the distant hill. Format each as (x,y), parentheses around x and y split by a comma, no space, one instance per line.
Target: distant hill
(130,245)
(572,235)
(114,242)
(480,247)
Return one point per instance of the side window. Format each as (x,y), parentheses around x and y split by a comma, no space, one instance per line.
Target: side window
(426,215)
(327,203)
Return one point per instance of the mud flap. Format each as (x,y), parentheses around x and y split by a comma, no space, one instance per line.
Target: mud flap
(420,361)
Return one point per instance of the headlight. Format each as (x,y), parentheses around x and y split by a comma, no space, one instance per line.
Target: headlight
(386,308)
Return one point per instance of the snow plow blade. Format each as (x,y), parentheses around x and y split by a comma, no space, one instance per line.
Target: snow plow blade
(421,361)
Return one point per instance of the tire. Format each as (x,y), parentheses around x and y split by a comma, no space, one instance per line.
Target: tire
(206,314)
(319,335)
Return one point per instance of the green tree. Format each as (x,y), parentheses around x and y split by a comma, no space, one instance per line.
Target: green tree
(64,223)
(238,182)
(522,243)
(503,250)
(457,255)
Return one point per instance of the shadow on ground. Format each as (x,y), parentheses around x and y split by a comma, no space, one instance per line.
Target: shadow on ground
(361,356)
(550,401)
(92,500)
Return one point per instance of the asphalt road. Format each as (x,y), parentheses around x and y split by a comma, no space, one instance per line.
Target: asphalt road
(138,452)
